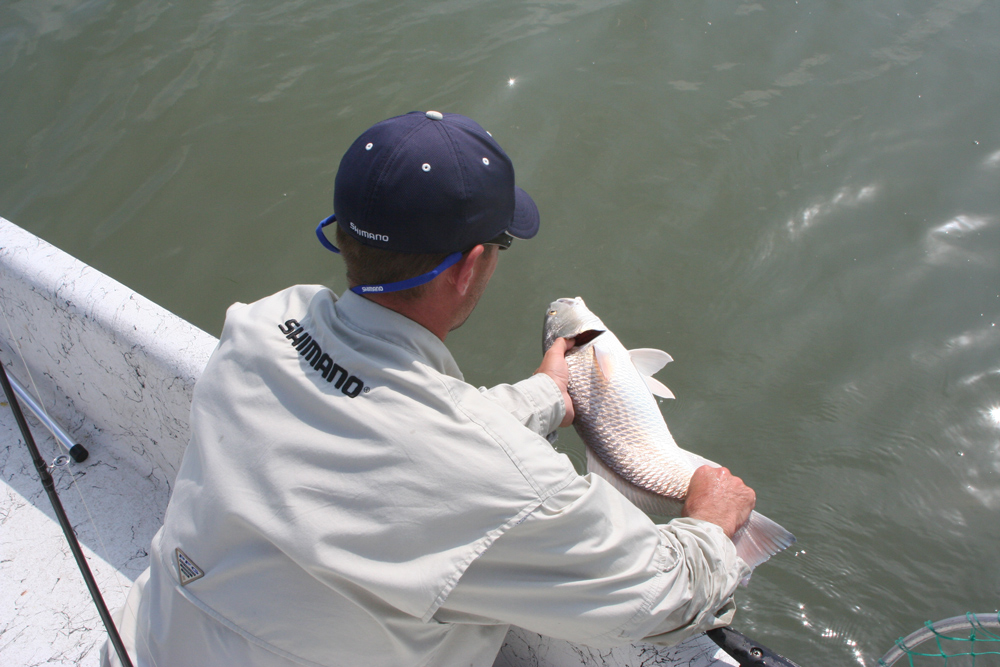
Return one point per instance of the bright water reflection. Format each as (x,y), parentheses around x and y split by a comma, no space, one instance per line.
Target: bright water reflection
(799,201)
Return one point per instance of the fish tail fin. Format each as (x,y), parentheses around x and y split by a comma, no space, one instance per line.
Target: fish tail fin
(759,539)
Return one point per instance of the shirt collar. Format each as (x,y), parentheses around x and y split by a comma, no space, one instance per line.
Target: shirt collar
(371,319)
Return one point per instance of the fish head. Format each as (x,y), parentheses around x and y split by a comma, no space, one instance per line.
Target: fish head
(570,318)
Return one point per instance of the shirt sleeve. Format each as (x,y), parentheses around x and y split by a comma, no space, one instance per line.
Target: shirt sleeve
(591,568)
(535,402)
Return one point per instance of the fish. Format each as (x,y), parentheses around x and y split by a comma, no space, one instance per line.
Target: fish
(627,440)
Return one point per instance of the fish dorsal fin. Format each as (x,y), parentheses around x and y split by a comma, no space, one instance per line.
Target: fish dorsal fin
(657,388)
(648,361)
(605,359)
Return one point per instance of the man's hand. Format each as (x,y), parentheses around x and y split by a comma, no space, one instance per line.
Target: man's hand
(717,496)
(554,365)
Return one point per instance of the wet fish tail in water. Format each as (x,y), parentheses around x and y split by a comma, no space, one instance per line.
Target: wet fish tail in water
(628,442)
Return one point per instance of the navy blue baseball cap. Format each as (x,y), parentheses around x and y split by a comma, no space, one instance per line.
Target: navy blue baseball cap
(430,182)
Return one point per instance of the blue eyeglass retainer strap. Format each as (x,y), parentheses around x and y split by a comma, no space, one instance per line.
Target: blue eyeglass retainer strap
(423,278)
(322,237)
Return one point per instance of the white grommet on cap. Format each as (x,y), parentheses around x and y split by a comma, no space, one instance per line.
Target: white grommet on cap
(486,161)
(426,167)
(434,115)
(369,146)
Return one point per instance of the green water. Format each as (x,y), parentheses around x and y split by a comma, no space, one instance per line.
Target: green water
(799,201)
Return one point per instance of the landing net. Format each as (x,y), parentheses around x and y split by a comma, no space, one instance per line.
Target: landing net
(972,640)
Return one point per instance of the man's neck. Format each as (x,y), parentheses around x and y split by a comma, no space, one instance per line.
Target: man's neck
(446,302)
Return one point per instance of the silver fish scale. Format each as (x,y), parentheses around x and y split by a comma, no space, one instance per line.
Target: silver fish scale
(620,421)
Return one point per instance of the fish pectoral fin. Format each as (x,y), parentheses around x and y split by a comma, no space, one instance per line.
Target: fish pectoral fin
(605,359)
(657,387)
(648,361)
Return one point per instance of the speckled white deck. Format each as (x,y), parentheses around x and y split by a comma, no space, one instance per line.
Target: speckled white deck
(47,616)
(528,649)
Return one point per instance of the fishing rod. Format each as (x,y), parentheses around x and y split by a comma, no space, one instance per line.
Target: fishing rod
(50,489)
(75,449)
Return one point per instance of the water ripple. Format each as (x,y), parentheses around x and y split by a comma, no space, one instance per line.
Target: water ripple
(844,197)
(957,241)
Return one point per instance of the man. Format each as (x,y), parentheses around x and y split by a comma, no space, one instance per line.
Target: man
(347,499)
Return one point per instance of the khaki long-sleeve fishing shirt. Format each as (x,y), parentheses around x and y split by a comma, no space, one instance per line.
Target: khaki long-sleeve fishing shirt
(347,499)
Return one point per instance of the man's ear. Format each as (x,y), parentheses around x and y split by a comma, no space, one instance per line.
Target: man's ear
(465,269)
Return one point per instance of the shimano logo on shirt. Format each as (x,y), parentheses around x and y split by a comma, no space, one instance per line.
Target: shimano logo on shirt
(349,385)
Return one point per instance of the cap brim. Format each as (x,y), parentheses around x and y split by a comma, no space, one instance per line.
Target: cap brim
(526,219)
